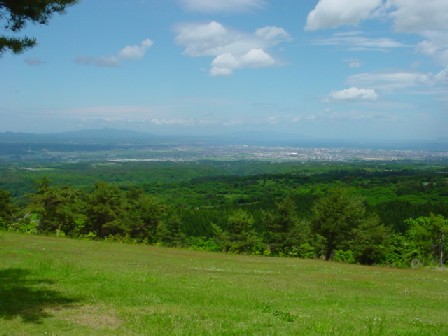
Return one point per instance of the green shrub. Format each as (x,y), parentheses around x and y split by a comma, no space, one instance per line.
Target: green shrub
(345,256)
(27,224)
(203,244)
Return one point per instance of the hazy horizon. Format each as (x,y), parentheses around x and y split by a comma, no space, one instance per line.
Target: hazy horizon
(110,136)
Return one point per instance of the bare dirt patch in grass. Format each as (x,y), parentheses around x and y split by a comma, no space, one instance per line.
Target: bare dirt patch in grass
(93,316)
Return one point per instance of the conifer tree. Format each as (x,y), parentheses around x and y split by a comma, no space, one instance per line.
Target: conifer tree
(15,14)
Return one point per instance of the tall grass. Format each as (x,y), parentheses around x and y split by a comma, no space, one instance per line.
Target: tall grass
(57,286)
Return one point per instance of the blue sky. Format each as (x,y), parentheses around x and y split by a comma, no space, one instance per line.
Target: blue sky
(332,69)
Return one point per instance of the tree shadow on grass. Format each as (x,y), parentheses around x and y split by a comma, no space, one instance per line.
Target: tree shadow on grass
(23,295)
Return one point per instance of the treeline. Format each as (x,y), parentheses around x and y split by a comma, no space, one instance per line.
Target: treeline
(336,225)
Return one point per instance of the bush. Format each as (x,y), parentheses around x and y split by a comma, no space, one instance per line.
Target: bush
(203,244)
(306,250)
(27,224)
(401,252)
(345,256)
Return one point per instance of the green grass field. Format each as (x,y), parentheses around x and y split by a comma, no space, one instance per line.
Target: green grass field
(57,286)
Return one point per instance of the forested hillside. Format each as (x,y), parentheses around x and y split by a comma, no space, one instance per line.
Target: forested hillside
(370,213)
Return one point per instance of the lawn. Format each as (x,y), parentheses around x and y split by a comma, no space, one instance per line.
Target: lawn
(58,286)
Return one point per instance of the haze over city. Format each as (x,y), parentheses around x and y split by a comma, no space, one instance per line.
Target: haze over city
(341,69)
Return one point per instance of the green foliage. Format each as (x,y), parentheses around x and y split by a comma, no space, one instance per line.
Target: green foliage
(306,250)
(347,257)
(111,211)
(106,211)
(279,225)
(401,251)
(103,207)
(430,236)
(395,212)
(203,244)
(335,216)
(242,207)
(28,223)
(298,240)
(142,214)
(369,242)
(169,232)
(241,237)
(14,14)
(59,208)
(7,208)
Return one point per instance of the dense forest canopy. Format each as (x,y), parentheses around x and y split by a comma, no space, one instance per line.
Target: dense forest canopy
(382,213)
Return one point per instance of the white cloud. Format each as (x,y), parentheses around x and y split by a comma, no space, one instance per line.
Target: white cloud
(353,94)
(389,80)
(171,122)
(225,64)
(428,19)
(356,40)
(354,116)
(205,39)
(129,52)
(392,81)
(442,76)
(271,33)
(427,47)
(214,6)
(416,16)
(135,51)
(354,63)
(435,45)
(229,48)
(332,13)
(257,58)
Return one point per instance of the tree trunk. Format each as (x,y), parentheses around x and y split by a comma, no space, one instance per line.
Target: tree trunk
(328,253)
(330,248)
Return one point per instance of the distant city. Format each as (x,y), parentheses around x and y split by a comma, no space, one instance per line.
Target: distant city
(179,153)
(122,146)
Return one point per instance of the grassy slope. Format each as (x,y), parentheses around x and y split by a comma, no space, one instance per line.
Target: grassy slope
(57,286)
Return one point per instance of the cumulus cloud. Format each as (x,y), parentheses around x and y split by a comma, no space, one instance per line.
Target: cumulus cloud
(225,64)
(229,48)
(331,13)
(257,58)
(353,94)
(428,19)
(129,52)
(135,51)
(215,6)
